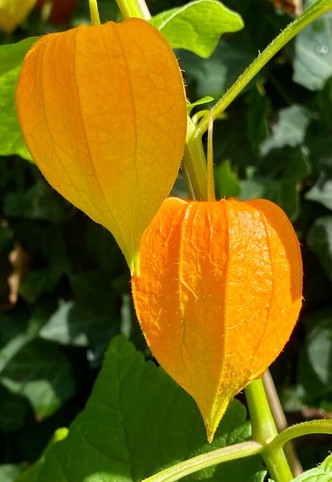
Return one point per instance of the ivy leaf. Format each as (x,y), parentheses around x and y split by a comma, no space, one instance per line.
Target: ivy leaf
(284,169)
(13,412)
(41,373)
(321,192)
(15,333)
(226,180)
(11,58)
(313,53)
(314,366)
(89,320)
(289,129)
(319,240)
(135,409)
(8,472)
(197,26)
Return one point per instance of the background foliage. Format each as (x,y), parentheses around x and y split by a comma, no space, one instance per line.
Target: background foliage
(64,286)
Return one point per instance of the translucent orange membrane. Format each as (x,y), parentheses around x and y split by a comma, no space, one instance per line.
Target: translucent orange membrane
(103,113)
(218,294)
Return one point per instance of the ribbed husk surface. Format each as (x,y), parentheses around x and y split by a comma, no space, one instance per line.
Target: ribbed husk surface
(218,294)
(103,112)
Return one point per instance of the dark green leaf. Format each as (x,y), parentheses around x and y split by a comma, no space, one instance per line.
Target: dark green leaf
(39,202)
(226,181)
(321,192)
(41,373)
(281,171)
(90,319)
(37,282)
(32,475)
(257,117)
(16,332)
(137,421)
(319,240)
(255,187)
(197,26)
(13,411)
(289,129)
(315,363)
(313,52)
(214,75)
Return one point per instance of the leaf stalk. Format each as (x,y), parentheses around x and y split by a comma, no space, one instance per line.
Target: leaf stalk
(233,452)
(264,430)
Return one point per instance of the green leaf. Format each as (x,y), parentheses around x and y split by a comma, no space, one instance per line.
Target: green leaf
(32,474)
(41,373)
(313,52)
(226,181)
(137,421)
(37,282)
(214,75)
(319,347)
(257,116)
(13,411)
(8,472)
(15,333)
(319,239)
(322,473)
(315,364)
(204,100)
(39,202)
(90,319)
(289,129)
(197,26)
(11,58)
(318,138)
(284,169)
(321,192)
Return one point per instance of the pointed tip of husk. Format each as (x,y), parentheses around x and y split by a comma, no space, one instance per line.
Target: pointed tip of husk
(133,263)
(213,418)
(211,430)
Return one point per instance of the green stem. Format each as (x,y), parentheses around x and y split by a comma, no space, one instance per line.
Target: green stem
(281,422)
(210,173)
(300,429)
(317,10)
(94,13)
(203,461)
(134,8)
(194,164)
(264,430)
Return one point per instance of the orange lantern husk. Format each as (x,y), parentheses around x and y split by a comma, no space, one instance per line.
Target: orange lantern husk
(218,294)
(103,112)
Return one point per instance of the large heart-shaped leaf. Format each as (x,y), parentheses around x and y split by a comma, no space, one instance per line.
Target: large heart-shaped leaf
(136,422)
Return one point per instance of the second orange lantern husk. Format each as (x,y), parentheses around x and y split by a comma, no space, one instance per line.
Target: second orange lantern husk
(217,295)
